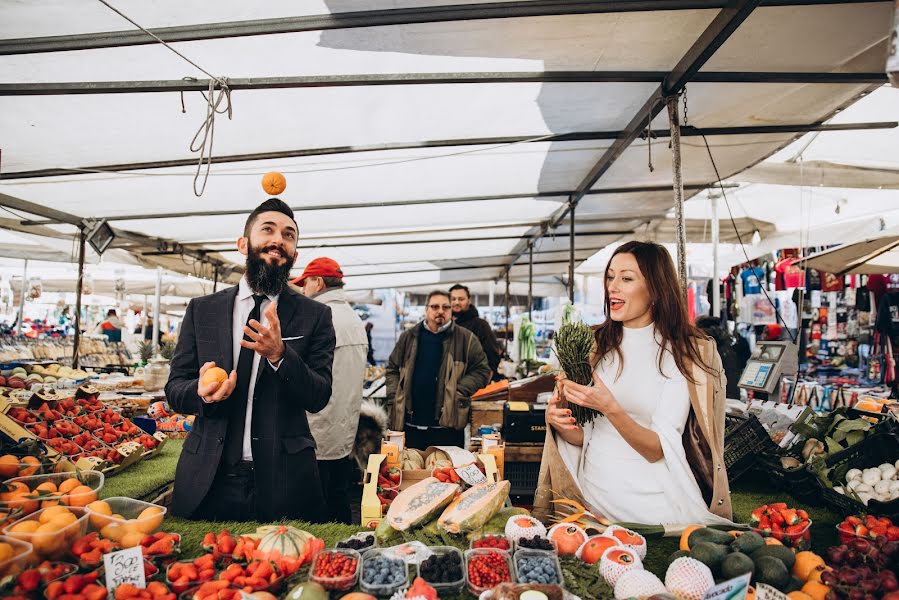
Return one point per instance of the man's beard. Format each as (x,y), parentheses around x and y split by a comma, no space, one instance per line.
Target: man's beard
(265,278)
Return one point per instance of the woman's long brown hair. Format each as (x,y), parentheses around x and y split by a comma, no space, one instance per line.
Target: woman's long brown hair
(668,309)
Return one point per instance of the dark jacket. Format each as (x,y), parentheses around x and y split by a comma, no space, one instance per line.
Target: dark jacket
(281,441)
(463,371)
(471,320)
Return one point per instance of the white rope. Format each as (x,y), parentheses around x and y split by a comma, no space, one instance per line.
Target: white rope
(213,100)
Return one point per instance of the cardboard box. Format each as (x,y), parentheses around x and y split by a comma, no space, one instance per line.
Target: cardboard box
(371,505)
(460,459)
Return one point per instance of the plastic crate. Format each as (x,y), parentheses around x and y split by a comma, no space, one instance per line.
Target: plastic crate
(744,439)
(799,482)
(523,477)
(874,450)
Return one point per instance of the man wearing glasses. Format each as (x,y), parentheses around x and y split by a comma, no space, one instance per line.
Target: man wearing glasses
(434,369)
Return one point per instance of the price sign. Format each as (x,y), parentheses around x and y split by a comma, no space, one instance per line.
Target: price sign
(125,566)
(732,589)
(471,474)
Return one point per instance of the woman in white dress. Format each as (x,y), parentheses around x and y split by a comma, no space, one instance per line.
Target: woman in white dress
(653,372)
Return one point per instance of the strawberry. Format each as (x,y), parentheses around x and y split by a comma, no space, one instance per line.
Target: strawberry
(28,581)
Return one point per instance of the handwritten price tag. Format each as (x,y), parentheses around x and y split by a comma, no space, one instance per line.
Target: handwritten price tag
(471,474)
(125,566)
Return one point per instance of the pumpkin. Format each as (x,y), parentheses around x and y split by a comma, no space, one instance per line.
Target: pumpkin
(274,183)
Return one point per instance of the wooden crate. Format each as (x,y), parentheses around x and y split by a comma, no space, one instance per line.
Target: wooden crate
(486,413)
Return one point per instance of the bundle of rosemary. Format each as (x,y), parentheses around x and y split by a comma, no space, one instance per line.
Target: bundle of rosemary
(574,342)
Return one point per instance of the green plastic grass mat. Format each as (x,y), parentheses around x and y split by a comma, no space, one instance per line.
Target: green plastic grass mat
(142,479)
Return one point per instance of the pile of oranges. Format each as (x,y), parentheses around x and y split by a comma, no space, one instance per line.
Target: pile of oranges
(13,466)
(69,492)
(126,532)
(50,530)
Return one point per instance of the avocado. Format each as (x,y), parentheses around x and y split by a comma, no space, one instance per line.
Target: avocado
(772,571)
(736,564)
(748,543)
(675,555)
(782,552)
(795,584)
(707,534)
(308,590)
(709,554)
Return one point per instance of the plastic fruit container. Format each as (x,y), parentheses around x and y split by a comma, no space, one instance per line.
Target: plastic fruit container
(340,583)
(383,589)
(523,555)
(182,587)
(20,558)
(485,538)
(132,522)
(452,587)
(359,542)
(35,499)
(797,540)
(50,539)
(472,557)
(555,548)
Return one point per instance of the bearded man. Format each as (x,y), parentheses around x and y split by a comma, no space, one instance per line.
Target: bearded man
(250,454)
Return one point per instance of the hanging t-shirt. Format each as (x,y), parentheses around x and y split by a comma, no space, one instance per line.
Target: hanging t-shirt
(813,280)
(888,314)
(831,282)
(789,275)
(752,280)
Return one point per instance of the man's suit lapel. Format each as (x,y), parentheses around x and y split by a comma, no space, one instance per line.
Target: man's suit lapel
(224,323)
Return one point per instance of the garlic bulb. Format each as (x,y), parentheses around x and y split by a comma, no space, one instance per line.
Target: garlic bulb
(853,485)
(871,476)
(882,487)
(894,486)
(896,464)
(888,473)
(864,497)
(839,490)
(863,488)
(853,474)
(894,494)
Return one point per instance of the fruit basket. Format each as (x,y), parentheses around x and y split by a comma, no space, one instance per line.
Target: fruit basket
(486,568)
(374,581)
(336,569)
(50,531)
(29,492)
(744,439)
(125,520)
(444,570)
(536,566)
(875,450)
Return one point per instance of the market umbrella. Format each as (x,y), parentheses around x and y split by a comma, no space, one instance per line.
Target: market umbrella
(870,256)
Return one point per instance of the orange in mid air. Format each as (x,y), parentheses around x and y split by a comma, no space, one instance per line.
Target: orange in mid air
(274,183)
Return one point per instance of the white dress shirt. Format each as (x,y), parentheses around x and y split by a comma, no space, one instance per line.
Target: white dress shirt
(243,306)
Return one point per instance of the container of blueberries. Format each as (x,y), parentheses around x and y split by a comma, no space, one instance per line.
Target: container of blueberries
(382,574)
(444,570)
(359,542)
(537,542)
(537,566)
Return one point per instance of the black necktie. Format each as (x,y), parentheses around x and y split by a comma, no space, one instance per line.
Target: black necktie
(238,416)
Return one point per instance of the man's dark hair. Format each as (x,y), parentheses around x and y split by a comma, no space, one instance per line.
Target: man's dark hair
(333,282)
(437,293)
(111,313)
(270,205)
(459,286)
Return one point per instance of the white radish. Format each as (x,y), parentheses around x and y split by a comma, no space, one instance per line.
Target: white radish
(853,474)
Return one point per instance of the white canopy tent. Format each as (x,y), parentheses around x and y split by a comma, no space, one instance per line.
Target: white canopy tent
(424,141)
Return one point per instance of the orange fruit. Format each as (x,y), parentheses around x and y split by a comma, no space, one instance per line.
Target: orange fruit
(47,486)
(214,375)
(750,593)
(80,496)
(770,541)
(9,466)
(29,526)
(14,488)
(99,510)
(34,465)
(798,596)
(49,513)
(594,547)
(6,552)
(68,485)
(816,590)
(685,536)
(131,539)
(46,539)
(817,572)
(273,183)
(113,531)
(806,562)
(63,519)
(150,519)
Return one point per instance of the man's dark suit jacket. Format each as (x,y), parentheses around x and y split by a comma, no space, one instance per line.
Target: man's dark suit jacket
(283,448)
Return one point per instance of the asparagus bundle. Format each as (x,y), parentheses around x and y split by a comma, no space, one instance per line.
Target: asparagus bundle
(574,342)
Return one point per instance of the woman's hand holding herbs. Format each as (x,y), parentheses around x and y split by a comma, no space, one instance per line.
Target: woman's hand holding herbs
(598,397)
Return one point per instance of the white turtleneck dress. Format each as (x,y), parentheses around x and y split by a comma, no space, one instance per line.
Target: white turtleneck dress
(615,479)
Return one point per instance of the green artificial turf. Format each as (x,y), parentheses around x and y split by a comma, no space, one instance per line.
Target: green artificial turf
(751,491)
(141,480)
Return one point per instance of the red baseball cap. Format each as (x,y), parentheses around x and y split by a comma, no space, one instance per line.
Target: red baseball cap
(320,267)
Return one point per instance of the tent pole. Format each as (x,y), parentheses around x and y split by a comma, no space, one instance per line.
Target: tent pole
(681,230)
(146,319)
(215,280)
(492,298)
(530,280)
(506,337)
(82,238)
(572,206)
(716,286)
(157,324)
(22,299)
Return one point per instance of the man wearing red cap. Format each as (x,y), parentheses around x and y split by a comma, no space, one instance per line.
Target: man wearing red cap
(334,428)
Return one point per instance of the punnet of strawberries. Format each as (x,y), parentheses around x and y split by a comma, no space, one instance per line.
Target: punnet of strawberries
(867,526)
(31,580)
(791,526)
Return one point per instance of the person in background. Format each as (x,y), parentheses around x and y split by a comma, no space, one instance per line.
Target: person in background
(466,314)
(334,427)
(371,349)
(111,327)
(428,400)
(250,454)
(711,326)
